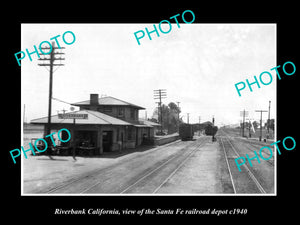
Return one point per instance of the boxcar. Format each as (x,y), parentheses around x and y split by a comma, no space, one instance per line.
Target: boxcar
(186,132)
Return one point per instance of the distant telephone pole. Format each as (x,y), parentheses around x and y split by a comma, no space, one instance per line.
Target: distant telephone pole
(249,127)
(160,94)
(243,114)
(50,62)
(269,119)
(261,111)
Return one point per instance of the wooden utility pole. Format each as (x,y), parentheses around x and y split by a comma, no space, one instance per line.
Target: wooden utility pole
(249,127)
(50,62)
(269,120)
(261,111)
(160,94)
(244,114)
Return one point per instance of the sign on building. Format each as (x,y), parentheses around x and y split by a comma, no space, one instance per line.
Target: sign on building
(73,116)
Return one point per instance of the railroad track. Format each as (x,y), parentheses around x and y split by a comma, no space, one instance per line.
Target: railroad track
(175,162)
(264,154)
(139,184)
(257,147)
(99,171)
(231,154)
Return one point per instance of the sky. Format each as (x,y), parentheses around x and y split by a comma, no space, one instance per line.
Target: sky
(198,65)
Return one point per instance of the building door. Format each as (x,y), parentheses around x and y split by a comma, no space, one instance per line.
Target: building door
(136,137)
(107,140)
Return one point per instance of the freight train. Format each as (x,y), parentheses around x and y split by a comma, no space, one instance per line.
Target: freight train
(186,132)
(211,130)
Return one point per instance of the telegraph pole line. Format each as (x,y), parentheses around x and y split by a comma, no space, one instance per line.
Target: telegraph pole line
(50,62)
(261,111)
(158,111)
(160,94)
(160,108)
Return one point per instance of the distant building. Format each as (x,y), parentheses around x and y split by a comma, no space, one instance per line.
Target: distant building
(107,124)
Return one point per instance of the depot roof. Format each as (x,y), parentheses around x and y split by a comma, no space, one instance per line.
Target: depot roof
(108,100)
(93,117)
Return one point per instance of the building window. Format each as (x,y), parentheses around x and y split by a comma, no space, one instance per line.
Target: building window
(132,112)
(120,112)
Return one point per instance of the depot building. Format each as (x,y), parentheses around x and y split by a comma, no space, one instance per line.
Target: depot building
(103,124)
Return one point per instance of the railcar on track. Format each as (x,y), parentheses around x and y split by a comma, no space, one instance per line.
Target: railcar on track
(186,132)
(211,130)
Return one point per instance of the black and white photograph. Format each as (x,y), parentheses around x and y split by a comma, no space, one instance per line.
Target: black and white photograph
(137,112)
(180,114)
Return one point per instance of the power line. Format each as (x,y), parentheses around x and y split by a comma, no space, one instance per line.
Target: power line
(61,101)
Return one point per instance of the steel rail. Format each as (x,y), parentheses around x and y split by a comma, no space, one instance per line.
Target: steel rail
(258,185)
(197,145)
(230,174)
(179,166)
(91,173)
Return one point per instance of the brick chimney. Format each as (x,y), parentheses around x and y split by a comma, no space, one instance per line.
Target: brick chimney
(94,99)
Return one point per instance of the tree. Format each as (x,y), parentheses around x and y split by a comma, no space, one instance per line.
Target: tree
(271,124)
(255,124)
(165,116)
(173,107)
